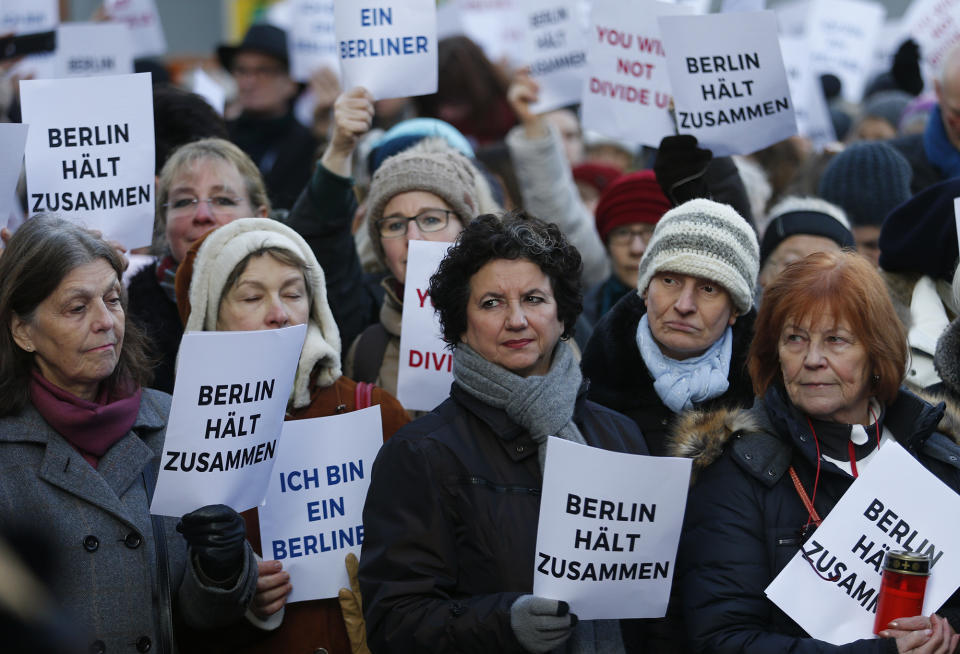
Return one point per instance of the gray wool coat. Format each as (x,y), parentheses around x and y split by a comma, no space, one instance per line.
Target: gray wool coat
(99,523)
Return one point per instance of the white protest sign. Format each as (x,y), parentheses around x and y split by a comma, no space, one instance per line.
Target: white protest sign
(13,140)
(695,6)
(556,50)
(89,153)
(495,25)
(208,89)
(24,16)
(626,93)
(731,6)
(809,105)
(895,504)
(390,49)
(30,16)
(729,85)
(841,36)
(312,515)
(312,39)
(608,530)
(93,49)
(143,21)
(426,365)
(229,401)
(935,25)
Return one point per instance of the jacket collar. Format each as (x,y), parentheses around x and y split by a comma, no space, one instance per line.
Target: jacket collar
(118,469)
(763,437)
(509,433)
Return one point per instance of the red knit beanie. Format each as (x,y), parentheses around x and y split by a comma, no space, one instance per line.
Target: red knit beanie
(597,175)
(633,198)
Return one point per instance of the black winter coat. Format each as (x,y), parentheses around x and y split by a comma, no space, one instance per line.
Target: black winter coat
(283,149)
(744,518)
(619,379)
(451,525)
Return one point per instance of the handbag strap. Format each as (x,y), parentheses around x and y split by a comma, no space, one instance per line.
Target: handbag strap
(363,396)
(814,516)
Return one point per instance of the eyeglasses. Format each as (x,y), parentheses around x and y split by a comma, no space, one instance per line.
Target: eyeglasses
(219,205)
(428,220)
(625,235)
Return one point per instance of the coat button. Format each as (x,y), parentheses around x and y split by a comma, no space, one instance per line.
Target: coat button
(133,541)
(803,439)
(747,456)
(520,449)
(97,647)
(90,543)
(144,644)
(320,650)
(456,610)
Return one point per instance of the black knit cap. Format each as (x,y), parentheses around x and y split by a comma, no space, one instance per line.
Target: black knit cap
(920,235)
(867,180)
(263,38)
(805,221)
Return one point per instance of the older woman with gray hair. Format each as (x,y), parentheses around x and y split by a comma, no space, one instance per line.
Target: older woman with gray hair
(80,441)
(454,497)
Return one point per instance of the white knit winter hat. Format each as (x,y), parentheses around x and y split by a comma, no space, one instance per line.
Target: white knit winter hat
(705,239)
(227,246)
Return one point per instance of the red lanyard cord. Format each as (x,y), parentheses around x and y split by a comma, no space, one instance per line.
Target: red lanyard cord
(852,451)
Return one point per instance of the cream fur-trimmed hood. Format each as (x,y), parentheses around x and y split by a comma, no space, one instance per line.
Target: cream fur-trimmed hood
(220,253)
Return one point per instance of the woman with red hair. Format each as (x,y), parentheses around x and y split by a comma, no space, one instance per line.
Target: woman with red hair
(827,364)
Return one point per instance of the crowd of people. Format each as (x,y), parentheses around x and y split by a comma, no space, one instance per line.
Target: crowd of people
(776,317)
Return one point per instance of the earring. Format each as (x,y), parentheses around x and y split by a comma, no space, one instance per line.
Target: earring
(875,378)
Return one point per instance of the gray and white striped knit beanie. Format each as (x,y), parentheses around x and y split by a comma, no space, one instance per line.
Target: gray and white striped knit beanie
(705,239)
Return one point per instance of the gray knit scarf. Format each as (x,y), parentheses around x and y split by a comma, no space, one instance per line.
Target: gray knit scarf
(543,405)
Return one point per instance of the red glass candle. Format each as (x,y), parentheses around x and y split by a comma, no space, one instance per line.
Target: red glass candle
(901,588)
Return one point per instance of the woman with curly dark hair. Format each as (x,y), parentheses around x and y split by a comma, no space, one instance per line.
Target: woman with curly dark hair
(451,515)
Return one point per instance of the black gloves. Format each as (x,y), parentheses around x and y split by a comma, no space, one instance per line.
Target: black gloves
(216,534)
(680,166)
(906,68)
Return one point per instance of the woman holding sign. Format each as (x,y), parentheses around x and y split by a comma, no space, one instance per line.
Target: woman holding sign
(827,364)
(80,441)
(252,274)
(451,514)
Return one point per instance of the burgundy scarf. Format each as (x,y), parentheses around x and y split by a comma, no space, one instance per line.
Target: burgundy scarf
(90,427)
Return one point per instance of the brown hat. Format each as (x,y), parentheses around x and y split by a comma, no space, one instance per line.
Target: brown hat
(431,166)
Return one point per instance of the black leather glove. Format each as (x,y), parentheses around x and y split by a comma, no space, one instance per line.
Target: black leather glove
(680,166)
(906,68)
(216,534)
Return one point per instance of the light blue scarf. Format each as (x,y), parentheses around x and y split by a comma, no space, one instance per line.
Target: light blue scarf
(681,383)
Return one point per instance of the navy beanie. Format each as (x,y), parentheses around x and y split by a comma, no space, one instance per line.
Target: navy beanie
(867,180)
(805,216)
(920,235)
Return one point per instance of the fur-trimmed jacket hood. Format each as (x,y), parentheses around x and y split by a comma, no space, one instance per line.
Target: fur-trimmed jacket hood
(919,422)
(946,360)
